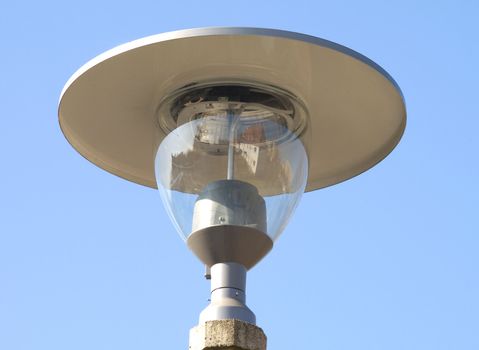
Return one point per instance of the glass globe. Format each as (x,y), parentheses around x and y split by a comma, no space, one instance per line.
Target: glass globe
(234,155)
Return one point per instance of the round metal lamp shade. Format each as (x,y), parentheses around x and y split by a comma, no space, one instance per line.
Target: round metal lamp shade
(108,108)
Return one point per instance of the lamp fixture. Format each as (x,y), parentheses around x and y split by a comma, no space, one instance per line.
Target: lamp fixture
(232,125)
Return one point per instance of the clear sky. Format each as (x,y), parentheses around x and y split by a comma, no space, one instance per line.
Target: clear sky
(387,260)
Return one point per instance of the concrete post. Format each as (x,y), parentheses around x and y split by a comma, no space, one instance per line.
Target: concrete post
(227,335)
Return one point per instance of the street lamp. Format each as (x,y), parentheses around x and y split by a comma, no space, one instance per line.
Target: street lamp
(232,125)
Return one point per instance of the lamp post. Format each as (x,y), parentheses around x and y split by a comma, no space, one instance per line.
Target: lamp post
(232,125)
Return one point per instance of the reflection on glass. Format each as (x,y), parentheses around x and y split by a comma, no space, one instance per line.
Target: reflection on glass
(255,150)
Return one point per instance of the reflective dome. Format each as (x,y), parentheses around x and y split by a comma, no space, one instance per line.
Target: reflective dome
(236,157)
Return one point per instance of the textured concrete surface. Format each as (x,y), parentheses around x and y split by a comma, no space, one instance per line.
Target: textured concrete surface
(227,335)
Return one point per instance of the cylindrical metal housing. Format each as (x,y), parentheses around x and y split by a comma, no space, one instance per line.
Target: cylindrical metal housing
(229,224)
(228,298)
(229,202)
(228,275)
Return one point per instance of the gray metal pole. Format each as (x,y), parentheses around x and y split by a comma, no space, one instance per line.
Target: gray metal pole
(228,298)
(232,121)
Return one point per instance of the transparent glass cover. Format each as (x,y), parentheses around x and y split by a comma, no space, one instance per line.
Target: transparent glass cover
(236,157)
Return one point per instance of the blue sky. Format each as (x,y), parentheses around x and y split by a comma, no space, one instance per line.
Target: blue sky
(387,260)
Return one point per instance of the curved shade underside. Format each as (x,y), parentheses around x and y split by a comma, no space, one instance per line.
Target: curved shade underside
(107,110)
